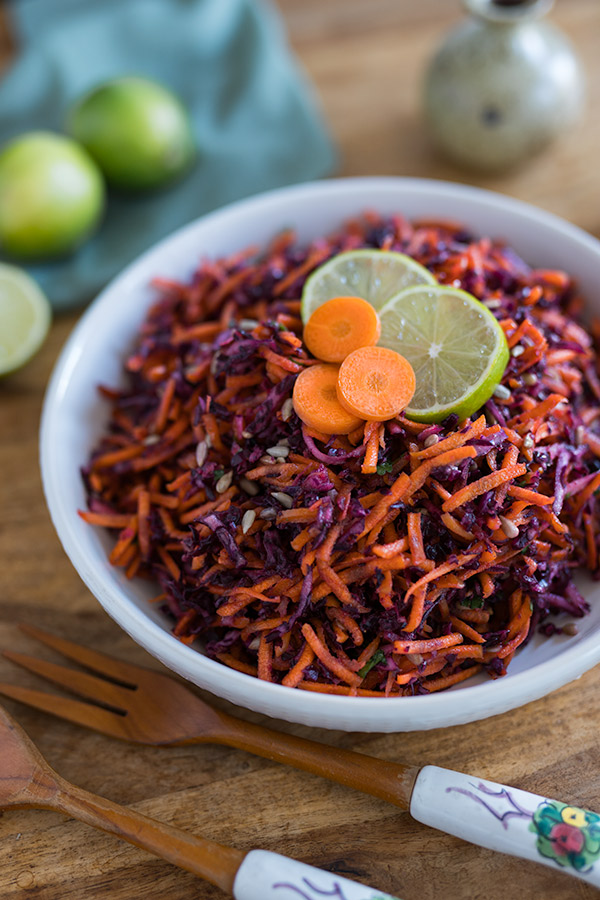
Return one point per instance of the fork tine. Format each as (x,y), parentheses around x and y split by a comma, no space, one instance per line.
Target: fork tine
(78,682)
(75,711)
(92,659)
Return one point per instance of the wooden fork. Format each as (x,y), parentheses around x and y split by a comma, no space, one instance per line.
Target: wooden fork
(148,707)
(28,782)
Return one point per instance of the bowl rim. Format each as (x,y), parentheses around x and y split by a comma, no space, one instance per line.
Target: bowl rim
(517,690)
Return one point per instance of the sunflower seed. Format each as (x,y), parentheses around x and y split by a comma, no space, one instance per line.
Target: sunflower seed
(248,486)
(201,452)
(509,528)
(528,441)
(502,392)
(431,440)
(570,628)
(287,409)
(267,460)
(247,324)
(254,643)
(208,441)
(248,520)
(529,379)
(519,350)
(279,451)
(284,499)
(151,439)
(493,304)
(224,482)
(268,513)
(415,658)
(247,434)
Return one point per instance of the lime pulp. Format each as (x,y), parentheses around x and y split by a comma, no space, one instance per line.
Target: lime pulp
(374,275)
(454,344)
(24,318)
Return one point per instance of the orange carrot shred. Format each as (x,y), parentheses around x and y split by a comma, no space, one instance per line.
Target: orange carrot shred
(487,483)
(328,660)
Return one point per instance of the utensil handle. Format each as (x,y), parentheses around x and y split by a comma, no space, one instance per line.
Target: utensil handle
(269,876)
(389,781)
(209,860)
(258,875)
(503,818)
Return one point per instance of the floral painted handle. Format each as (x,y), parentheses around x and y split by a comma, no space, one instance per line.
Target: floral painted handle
(509,820)
(269,876)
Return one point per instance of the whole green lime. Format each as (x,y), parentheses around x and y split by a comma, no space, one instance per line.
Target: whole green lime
(51,196)
(137,131)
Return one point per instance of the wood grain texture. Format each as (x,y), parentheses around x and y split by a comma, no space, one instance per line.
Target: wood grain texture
(366,60)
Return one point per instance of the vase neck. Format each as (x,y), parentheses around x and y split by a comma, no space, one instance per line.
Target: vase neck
(508,12)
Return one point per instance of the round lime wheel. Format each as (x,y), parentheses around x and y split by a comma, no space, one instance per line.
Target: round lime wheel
(374,275)
(453,342)
(24,318)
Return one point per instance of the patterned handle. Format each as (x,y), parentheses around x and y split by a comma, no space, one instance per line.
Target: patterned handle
(269,876)
(509,820)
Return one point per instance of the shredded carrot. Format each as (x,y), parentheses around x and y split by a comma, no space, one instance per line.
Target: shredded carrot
(106,520)
(387,551)
(296,673)
(265,659)
(143,523)
(446,681)
(420,475)
(415,538)
(372,448)
(537,411)
(487,483)
(397,491)
(326,657)
(455,527)
(458,439)
(466,630)
(448,640)
(533,497)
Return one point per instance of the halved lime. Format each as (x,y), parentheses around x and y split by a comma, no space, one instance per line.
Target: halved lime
(24,318)
(454,344)
(374,275)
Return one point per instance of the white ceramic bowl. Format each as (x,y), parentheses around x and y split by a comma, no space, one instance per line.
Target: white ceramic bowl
(74,417)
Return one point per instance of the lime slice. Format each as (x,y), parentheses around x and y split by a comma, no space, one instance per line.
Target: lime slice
(24,318)
(374,275)
(454,344)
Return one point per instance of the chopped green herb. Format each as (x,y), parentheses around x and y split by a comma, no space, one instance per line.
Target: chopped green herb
(219,474)
(378,657)
(472,602)
(384,467)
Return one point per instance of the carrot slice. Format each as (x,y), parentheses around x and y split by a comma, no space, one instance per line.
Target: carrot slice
(316,403)
(339,326)
(375,383)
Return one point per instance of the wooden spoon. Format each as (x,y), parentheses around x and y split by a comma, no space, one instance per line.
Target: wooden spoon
(28,782)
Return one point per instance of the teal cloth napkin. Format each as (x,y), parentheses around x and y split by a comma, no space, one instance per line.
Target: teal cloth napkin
(255,117)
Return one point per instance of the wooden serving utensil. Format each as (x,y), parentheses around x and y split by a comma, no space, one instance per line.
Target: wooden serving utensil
(151,708)
(28,782)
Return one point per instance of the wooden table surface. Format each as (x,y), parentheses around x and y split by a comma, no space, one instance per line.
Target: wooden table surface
(366,59)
